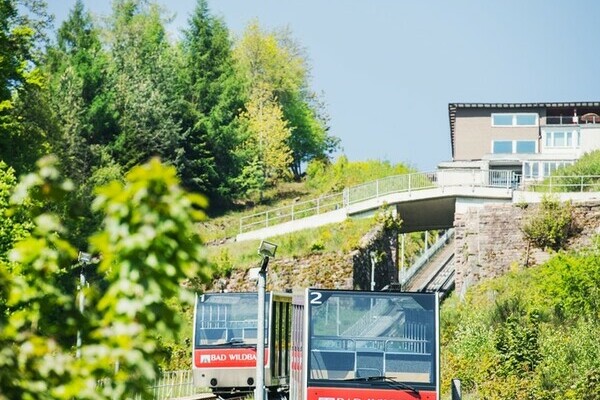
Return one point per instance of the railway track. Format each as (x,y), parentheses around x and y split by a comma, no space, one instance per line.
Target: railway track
(442,280)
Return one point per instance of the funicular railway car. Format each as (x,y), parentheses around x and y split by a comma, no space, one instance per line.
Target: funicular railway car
(225,342)
(358,345)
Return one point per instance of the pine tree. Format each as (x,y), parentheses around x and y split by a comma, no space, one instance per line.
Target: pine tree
(144,87)
(213,95)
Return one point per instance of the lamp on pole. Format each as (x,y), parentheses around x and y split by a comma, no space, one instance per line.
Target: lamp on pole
(266,250)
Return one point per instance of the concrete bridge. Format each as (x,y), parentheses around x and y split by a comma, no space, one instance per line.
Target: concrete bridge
(424,201)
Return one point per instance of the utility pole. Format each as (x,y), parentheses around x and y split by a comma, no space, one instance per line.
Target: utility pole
(83,259)
(373,261)
(266,250)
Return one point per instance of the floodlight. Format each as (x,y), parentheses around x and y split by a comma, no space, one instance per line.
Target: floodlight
(267,249)
(84,257)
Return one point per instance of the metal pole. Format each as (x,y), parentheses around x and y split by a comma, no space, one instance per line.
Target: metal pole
(260,346)
(81,307)
(401,277)
(456,390)
(372,254)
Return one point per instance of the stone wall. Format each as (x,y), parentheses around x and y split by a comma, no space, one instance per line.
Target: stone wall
(489,241)
(329,270)
(383,245)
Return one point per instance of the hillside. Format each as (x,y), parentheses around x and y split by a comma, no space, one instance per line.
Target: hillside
(530,334)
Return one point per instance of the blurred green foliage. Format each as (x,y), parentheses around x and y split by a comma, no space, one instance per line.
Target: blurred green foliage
(147,247)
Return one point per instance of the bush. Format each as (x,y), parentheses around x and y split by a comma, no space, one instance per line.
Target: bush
(551,226)
(335,177)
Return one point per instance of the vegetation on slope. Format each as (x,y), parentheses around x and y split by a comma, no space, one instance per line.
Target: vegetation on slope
(531,334)
(570,178)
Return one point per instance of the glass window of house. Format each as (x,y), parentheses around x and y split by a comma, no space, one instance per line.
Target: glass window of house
(502,147)
(525,146)
(527,169)
(531,169)
(535,170)
(514,119)
(560,139)
(502,119)
(526,119)
(548,168)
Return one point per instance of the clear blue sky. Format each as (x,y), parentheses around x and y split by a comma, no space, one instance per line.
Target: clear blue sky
(389,68)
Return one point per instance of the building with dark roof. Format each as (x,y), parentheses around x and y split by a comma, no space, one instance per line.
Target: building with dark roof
(531,139)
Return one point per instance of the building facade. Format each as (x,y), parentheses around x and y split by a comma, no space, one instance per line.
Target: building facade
(531,139)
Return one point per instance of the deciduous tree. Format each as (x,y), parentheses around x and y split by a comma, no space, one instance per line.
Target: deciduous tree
(274,61)
(22,25)
(147,248)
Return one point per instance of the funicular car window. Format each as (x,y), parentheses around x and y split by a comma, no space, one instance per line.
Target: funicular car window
(368,334)
(227,318)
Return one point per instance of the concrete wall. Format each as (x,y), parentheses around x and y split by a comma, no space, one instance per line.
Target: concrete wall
(473,131)
(590,138)
(489,241)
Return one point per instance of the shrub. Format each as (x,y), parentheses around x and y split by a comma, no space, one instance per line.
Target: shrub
(551,226)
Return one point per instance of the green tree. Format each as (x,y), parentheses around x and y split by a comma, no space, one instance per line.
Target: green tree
(148,247)
(14,223)
(78,65)
(268,134)
(22,24)
(144,85)
(213,97)
(84,112)
(275,62)
(551,226)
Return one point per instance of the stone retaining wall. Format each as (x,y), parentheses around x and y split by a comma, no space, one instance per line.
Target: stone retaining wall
(489,240)
(329,270)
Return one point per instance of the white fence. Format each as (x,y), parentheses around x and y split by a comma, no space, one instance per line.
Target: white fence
(171,385)
(562,184)
(374,189)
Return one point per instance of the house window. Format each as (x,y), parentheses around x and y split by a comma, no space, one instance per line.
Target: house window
(502,119)
(531,170)
(542,169)
(514,119)
(561,138)
(514,147)
(525,146)
(526,119)
(502,147)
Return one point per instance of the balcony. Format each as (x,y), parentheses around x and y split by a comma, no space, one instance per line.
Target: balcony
(585,119)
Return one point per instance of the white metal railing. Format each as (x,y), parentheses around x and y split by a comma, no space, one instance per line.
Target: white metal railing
(562,120)
(381,187)
(565,183)
(292,212)
(174,384)
(407,274)
(171,384)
